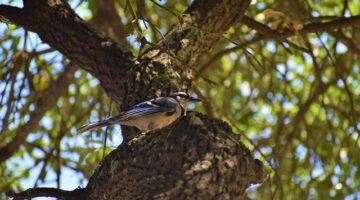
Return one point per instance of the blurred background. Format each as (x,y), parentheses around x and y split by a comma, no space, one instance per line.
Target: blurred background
(294,100)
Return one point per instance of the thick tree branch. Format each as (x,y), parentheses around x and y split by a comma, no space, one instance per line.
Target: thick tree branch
(189,160)
(58,25)
(11,14)
(44,192)
(201,27)
(198,30)
(208,163)
(47,100)
(191,38)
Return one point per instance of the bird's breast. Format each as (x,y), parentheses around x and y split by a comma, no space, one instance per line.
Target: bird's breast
(153,121)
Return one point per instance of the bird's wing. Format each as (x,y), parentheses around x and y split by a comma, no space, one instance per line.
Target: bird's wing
(158,105)
(147,104)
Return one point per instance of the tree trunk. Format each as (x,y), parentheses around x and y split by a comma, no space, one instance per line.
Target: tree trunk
(195,158)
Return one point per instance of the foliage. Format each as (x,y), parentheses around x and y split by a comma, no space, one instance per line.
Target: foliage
(295,101)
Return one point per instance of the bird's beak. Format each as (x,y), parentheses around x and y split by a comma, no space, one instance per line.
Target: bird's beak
(194,99)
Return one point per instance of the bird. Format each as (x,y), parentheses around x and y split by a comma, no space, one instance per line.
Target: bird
(150,115)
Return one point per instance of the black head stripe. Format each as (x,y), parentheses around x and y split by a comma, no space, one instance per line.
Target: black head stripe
(182,94)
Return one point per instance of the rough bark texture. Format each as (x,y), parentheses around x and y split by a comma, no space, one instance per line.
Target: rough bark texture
(193,159)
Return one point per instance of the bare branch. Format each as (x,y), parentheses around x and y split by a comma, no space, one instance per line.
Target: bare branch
(46,101)
(43,192)
(266,33)
(347,41)
(342,22)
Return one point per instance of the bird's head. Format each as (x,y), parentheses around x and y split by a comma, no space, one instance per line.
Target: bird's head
(184,99)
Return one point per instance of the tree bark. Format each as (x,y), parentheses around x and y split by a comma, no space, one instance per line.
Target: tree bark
(195,158)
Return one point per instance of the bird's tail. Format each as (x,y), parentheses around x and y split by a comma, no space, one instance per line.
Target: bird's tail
(92,125)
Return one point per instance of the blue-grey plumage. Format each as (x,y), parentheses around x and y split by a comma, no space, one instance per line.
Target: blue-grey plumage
(150,115)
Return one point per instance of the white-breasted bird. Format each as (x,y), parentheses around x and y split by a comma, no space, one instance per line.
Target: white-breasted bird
(149,115)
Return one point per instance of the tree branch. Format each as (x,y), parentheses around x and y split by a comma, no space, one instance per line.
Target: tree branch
(44,192)
(208,163)
(268,33)
(189,160)
(46,101)
(107,20)
(11,14)
(198,30)
(58,25)
(347,41)
(192,37)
